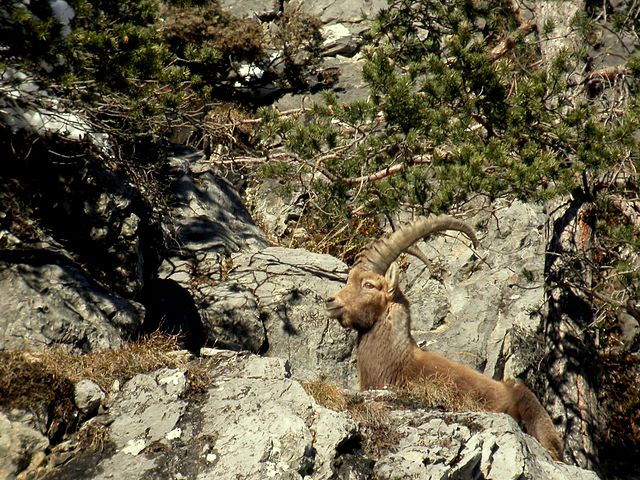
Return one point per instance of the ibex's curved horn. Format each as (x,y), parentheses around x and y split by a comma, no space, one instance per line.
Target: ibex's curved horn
(378,256)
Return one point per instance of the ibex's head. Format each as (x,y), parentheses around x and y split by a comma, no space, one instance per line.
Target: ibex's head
(373,282)
(364,299)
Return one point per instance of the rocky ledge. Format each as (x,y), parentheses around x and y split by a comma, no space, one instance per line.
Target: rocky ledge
(254,421)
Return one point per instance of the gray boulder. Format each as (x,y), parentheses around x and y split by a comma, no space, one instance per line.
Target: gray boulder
(224,287)
(47,299)
(276,208)
(147,410)
(290,287)
(279,432)
(337,40)
(253,423)
(208,216)
(22,449)
(354,13)
(209,223)
(88,396)
(440,446)
(251,8)
(233,319)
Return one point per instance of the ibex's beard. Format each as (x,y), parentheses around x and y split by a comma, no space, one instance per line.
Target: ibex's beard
(336,311)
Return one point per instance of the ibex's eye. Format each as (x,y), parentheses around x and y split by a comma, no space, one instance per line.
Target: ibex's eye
(368,285)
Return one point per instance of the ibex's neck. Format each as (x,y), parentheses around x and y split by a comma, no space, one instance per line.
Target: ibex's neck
(385,352)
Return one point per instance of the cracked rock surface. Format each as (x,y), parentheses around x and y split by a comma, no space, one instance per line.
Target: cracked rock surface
(255,422)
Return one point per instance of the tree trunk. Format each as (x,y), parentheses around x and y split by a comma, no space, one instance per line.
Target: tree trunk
(572,353)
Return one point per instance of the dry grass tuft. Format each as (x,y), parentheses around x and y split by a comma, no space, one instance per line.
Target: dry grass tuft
(331,396)
(104,367)
(92,436)
(372,414)
(328,395)
(44,380)
(199,376)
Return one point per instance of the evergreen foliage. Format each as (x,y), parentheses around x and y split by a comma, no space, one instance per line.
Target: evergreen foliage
(454,120)
(161,63)
(144,72)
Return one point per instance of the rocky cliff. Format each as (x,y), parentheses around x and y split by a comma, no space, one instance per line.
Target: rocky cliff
(262,383)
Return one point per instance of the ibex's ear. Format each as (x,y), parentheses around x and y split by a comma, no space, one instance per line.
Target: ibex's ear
(392,278)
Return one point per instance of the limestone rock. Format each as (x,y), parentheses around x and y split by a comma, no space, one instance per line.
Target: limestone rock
(279,432)
(233,318)
(87,396)
(255,422)
(210,223)
(467,446)
(276,208)
(147,410)
(337,40)
(467,308)
(250,8)
(21,448)
(208,214)
(354,12)
(49,300)
(290,287)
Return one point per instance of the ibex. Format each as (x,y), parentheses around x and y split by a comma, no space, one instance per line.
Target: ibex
(388,356)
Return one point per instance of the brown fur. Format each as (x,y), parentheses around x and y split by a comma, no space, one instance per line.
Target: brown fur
(388,356)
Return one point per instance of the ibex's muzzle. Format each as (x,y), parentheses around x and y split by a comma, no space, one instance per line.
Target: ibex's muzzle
(334,309)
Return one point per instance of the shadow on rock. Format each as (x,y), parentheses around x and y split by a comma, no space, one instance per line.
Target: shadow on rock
(171,309)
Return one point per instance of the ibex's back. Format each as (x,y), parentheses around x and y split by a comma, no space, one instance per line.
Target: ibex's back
(387,354)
